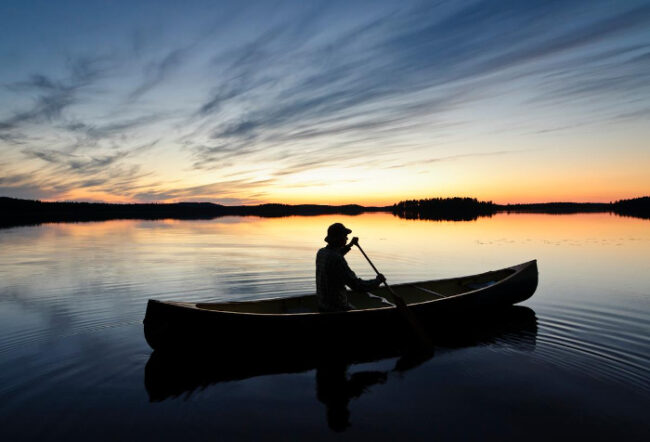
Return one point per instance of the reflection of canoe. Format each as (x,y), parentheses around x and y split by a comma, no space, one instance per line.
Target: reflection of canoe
(170,374)
(285,321)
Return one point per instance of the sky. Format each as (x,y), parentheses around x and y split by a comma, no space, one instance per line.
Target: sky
(329,102)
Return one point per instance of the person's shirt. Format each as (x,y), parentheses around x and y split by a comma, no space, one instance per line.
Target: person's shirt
(332,275)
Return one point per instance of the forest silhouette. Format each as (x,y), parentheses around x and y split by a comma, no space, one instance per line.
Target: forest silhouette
(17,212)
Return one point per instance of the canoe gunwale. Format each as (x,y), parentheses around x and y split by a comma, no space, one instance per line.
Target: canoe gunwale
(519,268)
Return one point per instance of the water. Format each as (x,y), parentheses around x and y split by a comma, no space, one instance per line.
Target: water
(73,355)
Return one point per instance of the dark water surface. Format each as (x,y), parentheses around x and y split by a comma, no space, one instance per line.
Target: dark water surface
(572,362)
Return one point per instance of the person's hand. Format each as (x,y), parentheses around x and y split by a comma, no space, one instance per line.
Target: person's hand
(381,278)
(354,241)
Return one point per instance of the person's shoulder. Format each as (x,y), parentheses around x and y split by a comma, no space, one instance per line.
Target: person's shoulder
(322,253)
(330,253)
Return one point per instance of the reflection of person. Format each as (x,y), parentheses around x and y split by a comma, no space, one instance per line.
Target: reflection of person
(333,272)
(335,389)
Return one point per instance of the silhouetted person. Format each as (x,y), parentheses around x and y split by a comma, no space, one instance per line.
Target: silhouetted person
(335,389)
(333,272)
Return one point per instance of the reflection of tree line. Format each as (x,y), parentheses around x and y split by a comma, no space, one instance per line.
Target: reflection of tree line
(468,209)
(15,212)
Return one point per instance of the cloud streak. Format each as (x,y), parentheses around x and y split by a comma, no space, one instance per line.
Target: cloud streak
(53,95)
(156,72)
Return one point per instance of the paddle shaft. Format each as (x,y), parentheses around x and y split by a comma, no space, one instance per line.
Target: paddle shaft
(403,308)
(395,295)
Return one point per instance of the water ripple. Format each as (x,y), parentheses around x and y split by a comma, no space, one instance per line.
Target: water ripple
(595,340)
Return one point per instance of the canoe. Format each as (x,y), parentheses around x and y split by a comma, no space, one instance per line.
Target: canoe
(296,321)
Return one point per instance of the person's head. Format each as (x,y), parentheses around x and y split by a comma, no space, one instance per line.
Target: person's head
(337,235)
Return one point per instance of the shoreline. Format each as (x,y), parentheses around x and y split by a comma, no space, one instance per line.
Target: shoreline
(20,212)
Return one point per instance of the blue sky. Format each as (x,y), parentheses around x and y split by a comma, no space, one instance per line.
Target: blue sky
(327,102)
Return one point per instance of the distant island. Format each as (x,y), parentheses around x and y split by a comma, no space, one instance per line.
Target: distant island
(467,209)
(445,209)
(17,212)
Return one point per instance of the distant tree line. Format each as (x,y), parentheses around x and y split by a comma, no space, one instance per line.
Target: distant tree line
(14,212)
(453,209)
(467,209)
(558,208)
(636,207)
(25,212)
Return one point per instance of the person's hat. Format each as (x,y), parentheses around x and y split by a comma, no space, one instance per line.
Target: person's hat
(336,231)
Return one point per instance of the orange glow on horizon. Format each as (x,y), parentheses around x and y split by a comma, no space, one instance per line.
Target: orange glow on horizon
(385,190)
(368,201)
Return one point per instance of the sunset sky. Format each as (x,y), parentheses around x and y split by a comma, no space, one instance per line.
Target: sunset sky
(324,102)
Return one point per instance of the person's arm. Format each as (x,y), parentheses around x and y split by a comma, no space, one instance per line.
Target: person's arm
(346,248)
(358,284)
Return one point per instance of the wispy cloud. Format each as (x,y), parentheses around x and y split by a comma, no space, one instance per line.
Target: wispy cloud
(222,191)
(157,71)
(54,95)
(111,129)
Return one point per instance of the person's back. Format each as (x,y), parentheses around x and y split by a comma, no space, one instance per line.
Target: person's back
(330,281)
(333,272)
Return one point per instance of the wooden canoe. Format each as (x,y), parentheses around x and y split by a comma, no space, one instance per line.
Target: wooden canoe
(296,320)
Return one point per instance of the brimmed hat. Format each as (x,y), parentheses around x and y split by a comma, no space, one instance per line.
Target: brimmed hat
(336,231)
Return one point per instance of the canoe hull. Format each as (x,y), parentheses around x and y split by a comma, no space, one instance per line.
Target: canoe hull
(179,326)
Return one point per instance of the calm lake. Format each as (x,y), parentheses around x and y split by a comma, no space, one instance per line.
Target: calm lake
(574,363)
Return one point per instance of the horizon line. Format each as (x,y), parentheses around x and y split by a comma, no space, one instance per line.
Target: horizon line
(320,204)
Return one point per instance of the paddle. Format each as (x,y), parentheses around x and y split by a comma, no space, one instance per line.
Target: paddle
(403,309)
